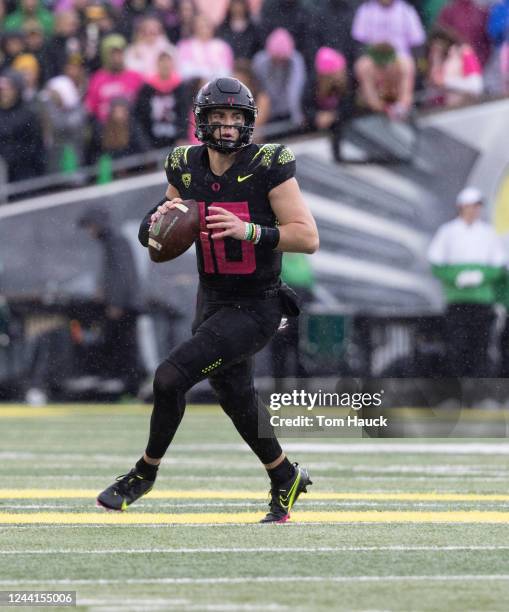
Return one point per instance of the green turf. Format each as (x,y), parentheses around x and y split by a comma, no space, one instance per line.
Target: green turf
(85,450)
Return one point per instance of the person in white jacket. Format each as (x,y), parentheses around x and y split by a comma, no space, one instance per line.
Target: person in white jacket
(468,257)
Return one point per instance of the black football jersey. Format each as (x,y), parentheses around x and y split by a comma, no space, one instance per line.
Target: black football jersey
(233,266)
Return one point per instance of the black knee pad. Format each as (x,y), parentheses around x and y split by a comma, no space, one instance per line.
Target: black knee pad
(169,379)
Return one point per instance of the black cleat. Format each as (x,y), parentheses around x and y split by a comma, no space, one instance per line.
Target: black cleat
(283,497)
(124,491)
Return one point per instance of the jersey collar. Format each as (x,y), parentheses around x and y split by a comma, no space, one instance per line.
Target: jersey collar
(240,159)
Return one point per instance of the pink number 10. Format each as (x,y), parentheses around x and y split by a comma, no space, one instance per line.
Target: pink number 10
(215,249)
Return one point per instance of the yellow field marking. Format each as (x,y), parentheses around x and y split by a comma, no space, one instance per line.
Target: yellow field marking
(133,518)
(204,494)
(16,411)
(24,413)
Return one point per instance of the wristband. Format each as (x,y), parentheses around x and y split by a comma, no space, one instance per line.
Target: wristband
(247,231)
(258,234)
(269,236)
(251,232)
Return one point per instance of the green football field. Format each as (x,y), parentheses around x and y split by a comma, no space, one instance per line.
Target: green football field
(406,525)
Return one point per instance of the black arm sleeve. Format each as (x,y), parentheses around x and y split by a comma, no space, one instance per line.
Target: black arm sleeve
(145,224)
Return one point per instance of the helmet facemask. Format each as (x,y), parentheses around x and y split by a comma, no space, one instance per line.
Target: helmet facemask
(205,131)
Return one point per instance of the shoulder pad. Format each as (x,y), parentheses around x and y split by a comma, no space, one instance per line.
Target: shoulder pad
(285,156)
(265,154)
(177,158)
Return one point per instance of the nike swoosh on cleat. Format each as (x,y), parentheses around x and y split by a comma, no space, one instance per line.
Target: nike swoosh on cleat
(240,179)
(287,502)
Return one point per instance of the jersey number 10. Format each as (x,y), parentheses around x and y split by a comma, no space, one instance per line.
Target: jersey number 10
(215,257)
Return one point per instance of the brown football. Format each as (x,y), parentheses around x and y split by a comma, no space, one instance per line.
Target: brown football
(173,233)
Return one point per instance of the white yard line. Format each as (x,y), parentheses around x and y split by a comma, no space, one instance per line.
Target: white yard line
(317,447)
(53,460)
(174,604)
(264,579)
(40,506)
(256,504)
(257,550)
(260,477)
(288,525)
(460,448)
(173,477)
(181,608)
(156,601)
(428,478)
(478,468)
(108,459)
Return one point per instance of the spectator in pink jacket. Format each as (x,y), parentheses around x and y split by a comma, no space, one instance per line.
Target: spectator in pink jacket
(203,56)
(113,80)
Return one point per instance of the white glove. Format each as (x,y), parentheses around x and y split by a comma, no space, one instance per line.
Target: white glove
(469,278)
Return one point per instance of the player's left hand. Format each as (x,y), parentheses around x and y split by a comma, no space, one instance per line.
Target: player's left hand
(223,219)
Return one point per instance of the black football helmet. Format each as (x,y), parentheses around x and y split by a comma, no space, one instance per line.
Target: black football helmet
(224,92)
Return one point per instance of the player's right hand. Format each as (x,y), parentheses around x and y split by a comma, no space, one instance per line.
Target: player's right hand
(164,208)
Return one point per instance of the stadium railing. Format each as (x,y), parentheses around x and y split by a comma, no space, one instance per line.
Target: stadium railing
(149,161)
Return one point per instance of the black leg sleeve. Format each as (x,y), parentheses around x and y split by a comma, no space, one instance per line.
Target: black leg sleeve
(170,387)
(239,399)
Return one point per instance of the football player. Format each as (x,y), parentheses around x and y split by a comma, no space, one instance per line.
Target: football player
(251,210)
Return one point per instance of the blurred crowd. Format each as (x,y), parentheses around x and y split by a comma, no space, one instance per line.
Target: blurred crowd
(85,80)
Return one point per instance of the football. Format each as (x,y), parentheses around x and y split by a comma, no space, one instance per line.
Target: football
(173,233)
